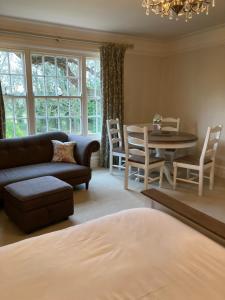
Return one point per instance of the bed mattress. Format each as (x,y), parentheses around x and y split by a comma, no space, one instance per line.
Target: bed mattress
(136,254)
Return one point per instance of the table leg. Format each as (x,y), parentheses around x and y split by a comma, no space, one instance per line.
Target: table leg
(168,165)
(168,174)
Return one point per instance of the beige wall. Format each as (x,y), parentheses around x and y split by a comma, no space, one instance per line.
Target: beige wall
(190,85)
(142,80)
(194,90)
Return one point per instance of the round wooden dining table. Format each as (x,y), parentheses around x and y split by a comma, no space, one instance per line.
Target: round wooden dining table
(171,140)
(161,140)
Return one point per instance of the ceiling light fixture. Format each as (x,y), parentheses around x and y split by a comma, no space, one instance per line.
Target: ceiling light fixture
(176,8)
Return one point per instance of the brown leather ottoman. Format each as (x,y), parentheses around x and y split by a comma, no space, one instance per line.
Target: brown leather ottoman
(38,202)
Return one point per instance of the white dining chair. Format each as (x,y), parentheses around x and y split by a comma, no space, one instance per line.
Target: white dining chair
(138,155)
(206,161)
(115,144)
(170,124)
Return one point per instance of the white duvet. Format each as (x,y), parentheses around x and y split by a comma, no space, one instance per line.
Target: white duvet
(137,254)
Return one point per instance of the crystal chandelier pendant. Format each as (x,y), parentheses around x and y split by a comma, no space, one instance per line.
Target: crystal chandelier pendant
(176,8)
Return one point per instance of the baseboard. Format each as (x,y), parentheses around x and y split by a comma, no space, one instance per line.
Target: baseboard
(220,171)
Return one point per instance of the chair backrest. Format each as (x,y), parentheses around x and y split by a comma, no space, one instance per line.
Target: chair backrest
(210,144)
(114,134)
(136,141)
(170,124)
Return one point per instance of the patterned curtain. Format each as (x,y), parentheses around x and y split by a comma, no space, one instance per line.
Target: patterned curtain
(2,116)
(112,73)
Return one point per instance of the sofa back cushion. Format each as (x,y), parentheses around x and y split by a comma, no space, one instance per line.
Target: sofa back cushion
(28,150)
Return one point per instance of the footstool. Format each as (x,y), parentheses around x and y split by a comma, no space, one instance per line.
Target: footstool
(38,202)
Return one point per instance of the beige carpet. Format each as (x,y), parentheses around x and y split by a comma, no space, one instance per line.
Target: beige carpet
(106,195)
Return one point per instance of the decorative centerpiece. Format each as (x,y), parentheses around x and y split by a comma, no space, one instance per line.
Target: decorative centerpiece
(157,119)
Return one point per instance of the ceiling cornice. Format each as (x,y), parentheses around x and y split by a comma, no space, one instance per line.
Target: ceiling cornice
(22,32)
(210,37)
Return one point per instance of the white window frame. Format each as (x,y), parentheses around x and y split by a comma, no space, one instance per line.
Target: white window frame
(30,98)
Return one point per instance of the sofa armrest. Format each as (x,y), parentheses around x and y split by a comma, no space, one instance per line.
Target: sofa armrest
(85,146)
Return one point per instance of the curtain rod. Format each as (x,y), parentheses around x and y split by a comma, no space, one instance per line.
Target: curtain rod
(58,38)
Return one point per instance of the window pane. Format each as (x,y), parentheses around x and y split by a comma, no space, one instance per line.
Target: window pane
(62,87)
(75,108)
(99,125)
(60,78)
(6,84)
(98,79)
(50,69)
(64,107)
(38,86)
(4,62)
(50,86)
(20,108)
(37,65)
(73,67)
(99,106)
(91,125)
(62,114)
(61,67)
(21,127)
(73,86)
(9,128)
(18,87)
(65,124)
(92,108)
(76,126)
(40,107)
(41,125)
(8,103)
(53,124)
(16,63)
(52,106)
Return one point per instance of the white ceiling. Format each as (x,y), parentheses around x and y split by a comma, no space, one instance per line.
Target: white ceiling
(123,16)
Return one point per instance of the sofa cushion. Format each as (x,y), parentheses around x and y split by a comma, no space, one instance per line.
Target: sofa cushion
(63,152)
(29,150)
(60,170)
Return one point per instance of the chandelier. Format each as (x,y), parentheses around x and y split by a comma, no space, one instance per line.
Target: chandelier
(176,8)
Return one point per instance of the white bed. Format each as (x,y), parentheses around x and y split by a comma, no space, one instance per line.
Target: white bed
(137,254)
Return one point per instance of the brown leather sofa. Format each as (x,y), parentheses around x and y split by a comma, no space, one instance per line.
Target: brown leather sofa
(30,157)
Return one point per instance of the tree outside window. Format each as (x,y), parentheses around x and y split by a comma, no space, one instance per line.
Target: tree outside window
(57,93)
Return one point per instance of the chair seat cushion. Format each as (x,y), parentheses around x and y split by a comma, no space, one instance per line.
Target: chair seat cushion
(63,171)
(191,160)
(38,192)
(141,159)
